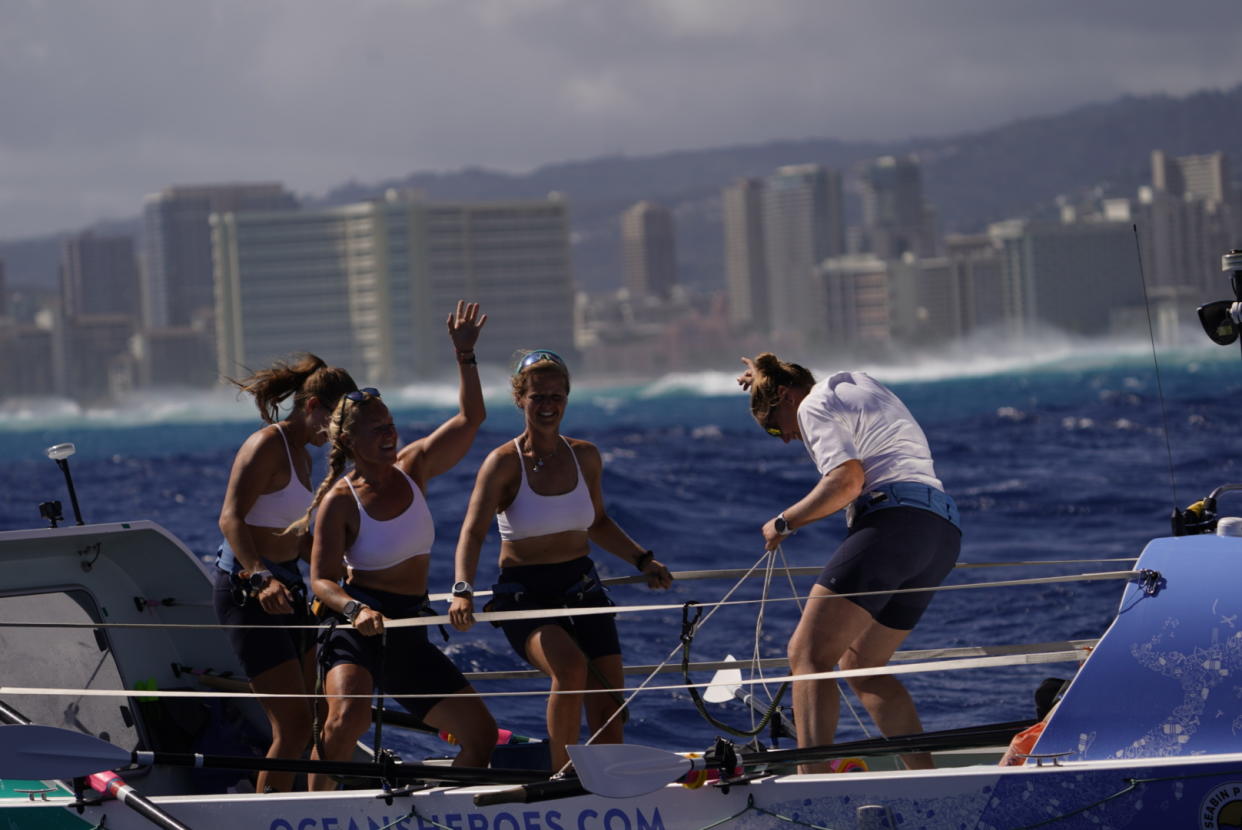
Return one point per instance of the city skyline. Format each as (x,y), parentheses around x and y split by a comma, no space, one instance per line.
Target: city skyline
(104,105)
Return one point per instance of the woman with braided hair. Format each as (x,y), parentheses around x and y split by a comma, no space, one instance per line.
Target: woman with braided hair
(369,564)
(904,533)
(257,581)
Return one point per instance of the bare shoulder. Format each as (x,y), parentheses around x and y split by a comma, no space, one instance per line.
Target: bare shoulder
(339,502)
(502,460)
(587,453)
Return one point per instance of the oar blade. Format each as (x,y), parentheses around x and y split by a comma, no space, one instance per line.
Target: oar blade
(36,752)
(724,684)
(626,770)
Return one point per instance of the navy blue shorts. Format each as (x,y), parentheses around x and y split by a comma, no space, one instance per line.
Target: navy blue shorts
(410,665)
(898,547)
(262,649)
(572,584)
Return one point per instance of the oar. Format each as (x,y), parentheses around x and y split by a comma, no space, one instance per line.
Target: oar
(726,685)
(628,770)
(105,782)
(49,752)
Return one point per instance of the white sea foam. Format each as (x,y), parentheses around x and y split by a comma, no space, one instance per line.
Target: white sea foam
(979,356)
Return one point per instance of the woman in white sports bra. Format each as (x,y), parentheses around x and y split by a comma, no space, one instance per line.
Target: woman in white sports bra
(369,563)
(545,491)
(257,581)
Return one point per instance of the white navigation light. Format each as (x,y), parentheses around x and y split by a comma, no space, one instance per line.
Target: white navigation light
(59,452)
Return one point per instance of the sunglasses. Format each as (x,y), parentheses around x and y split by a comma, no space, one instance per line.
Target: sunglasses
(774,431)
(1218,323)
(360,395)
(539,356)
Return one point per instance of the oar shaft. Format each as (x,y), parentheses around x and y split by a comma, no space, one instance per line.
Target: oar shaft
(356,769)
(109,782)
(962,738)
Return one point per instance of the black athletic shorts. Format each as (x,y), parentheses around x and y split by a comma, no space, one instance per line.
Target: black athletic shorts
(572,584)
(261,649)
(410,665)
(898,547)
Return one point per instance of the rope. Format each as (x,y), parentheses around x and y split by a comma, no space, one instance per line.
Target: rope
(752,808)
(652,675)
(688,627)
(1025,659)
(734,573)
(545,613)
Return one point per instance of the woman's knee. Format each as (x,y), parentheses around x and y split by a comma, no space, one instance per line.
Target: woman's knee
(348,717)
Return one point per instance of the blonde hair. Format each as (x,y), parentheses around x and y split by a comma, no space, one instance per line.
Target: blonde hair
(340,427)
(769,374)
(305,377)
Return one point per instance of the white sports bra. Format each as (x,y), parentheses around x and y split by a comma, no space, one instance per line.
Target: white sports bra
(286,505)
(531,514)
(382,544)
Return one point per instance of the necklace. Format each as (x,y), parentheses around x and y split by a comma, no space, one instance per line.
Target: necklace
(540,460)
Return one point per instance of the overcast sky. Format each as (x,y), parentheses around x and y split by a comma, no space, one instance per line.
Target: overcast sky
(102,102)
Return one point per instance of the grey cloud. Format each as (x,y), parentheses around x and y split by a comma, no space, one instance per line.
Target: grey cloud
(102,102)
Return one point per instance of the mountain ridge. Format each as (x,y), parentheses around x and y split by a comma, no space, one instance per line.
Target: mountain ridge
(1015,169)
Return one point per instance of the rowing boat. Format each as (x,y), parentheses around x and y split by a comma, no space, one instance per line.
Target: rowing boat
(1144,736)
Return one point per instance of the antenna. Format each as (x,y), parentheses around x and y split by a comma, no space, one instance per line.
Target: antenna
(60,454)
(1164,415)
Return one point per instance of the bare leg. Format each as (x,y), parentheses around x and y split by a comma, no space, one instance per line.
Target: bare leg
(347,719)
(884,696)
(289,718)
(827,628)
(600,707)
(551,649)
(470,722)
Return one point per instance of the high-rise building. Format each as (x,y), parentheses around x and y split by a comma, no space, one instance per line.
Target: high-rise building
(367,286)
(1073,277)
(746,274)
(177,266)
(1199,177)
(94,345)
(804,224)
(1186,218)
(896,218)
(976,262)
(855,308)
(648,250)
(99,275)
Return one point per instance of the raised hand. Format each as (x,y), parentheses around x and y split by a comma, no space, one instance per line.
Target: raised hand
(747,378)
(464,325)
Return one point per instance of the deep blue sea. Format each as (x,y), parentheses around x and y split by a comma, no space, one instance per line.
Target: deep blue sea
(1055,455)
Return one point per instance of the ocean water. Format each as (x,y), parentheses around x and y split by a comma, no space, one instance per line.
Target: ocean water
(1069,453)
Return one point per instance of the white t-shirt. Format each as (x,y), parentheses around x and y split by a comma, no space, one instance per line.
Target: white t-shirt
(853,416)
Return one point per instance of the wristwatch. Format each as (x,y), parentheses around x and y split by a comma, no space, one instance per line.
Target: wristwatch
(351,610)
(782,526)
(257,580)
(462,588)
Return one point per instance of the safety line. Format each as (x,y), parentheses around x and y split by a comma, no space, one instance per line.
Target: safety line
(811,570)
(1027,659)
(556,613)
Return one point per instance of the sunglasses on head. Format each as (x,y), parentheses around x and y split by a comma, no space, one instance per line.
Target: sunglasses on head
(360,395)
(539,356)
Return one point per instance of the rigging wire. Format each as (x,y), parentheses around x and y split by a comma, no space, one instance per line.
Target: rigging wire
(1151,334)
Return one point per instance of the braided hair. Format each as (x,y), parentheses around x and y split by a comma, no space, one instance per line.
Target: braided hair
(339,429)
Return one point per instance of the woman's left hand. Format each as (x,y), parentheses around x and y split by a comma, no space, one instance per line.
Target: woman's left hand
(464,325)
(657,575)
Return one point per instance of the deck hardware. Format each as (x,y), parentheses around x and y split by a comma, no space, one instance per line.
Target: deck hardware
(1151,581)
(32,793)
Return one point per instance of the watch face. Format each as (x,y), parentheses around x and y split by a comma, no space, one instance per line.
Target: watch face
(782,526)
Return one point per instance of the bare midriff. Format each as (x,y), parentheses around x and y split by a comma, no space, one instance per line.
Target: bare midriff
(409,576)
(269,543)
(548,549)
